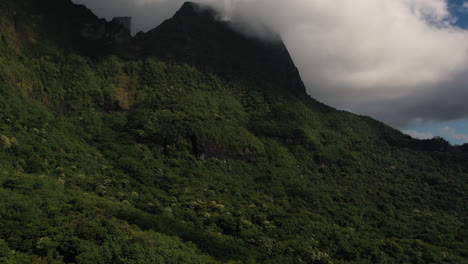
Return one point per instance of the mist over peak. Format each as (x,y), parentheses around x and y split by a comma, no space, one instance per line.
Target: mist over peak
(361,55)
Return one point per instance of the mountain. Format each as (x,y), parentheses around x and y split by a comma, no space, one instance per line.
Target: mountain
(193,143)
(196,37)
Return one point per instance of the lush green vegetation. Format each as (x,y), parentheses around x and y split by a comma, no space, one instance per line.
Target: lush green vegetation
(106,160)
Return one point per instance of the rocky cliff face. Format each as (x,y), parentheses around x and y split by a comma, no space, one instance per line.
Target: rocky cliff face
(126,22)
(195,36)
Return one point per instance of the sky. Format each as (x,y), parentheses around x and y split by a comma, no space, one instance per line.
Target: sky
(403,62)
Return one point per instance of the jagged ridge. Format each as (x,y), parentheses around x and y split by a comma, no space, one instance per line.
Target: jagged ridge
(193,35)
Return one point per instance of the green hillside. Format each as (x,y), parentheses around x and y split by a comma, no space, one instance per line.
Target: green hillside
(116,150)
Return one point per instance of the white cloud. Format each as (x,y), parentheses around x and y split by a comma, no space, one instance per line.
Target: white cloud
(418,135)
(452,134)
(365,55)
(364,44)
(465,5)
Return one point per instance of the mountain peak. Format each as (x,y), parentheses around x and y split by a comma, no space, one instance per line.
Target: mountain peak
(194,9)
(189,6)
(195,36)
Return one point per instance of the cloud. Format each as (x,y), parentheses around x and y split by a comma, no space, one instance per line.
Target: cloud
(396,60)
(452,134)
(418,135)
(465,6)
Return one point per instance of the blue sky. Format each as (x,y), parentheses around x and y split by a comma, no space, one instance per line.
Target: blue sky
(458,9)
(456,132)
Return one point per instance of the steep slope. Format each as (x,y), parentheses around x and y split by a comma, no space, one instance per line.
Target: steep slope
(196,37)
(159,152)
(193,36)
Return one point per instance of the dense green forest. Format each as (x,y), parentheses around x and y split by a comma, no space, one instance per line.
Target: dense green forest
(114,159)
